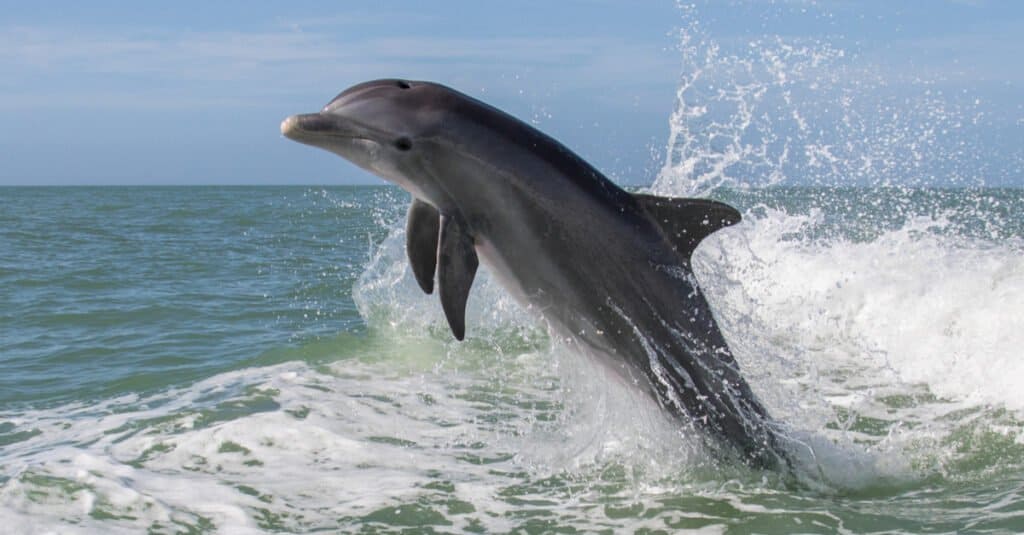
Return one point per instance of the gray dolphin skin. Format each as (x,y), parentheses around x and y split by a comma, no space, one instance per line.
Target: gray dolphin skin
(607,269)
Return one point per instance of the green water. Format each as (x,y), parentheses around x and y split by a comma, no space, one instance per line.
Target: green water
(119,289)
(259,359)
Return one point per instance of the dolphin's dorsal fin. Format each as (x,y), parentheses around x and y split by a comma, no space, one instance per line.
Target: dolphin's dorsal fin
(456,267)
(421,235)
(686,222)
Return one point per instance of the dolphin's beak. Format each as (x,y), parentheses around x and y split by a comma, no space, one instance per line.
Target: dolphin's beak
(308,126)
(290,127)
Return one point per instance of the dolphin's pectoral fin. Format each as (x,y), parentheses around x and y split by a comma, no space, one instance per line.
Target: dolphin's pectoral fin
(457,263)
(421,235)
(686,222)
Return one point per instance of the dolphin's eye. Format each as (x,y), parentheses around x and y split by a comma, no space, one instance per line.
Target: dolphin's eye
(403,84)
(403,144)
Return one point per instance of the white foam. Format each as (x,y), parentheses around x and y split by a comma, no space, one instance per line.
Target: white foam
(911,307)
(314,446)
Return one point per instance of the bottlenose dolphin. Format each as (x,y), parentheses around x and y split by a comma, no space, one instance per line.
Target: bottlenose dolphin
(608,268)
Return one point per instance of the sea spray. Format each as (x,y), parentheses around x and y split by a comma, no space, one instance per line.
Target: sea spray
(880,301)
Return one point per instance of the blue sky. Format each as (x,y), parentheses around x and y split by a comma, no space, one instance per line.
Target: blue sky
(193,92)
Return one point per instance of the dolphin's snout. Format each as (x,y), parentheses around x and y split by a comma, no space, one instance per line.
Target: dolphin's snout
(308,126)
(290,127)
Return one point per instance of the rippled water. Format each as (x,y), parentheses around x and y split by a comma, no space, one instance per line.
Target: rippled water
(137,288)
(259,359)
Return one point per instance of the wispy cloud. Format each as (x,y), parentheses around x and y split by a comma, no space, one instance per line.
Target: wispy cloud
(157,53)
(272,62)
(376,18)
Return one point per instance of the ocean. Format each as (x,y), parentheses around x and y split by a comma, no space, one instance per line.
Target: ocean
(260,359)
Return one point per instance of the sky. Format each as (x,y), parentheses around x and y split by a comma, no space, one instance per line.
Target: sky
(190,92)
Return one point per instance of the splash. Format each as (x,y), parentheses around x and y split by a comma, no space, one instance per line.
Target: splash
(771,110)
(873,293)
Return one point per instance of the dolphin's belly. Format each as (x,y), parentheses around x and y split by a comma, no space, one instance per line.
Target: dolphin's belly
(582,303)
(583,330)
(498,267)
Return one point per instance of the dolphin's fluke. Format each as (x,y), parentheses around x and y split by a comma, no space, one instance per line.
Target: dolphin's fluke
(685,222)
(457,263)
(421,235)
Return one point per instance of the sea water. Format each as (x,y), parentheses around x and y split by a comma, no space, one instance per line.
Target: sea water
(260,359)
(247,359)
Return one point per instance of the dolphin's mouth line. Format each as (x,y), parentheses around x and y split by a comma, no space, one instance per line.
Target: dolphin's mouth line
(292,128)
(312,134)
(300,134)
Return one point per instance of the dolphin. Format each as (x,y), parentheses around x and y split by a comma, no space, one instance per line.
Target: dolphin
(605,268)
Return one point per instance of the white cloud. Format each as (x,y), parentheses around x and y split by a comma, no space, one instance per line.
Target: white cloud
(286,61)
(378,17)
